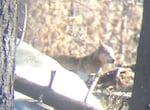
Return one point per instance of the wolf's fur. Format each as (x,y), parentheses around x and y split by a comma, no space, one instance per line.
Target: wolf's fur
(91,63)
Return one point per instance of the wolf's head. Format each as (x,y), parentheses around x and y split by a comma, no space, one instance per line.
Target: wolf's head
(105,54)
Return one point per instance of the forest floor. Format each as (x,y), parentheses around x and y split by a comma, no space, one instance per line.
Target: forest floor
(74,28)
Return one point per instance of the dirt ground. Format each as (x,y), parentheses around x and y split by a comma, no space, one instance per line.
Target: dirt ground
(74,28)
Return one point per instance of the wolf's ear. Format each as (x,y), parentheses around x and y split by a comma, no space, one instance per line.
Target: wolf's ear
(107,51)
(101,43)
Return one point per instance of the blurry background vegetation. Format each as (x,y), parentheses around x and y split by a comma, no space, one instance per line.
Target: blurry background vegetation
(74,27)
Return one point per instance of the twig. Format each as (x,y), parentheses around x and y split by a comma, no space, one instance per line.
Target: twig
(53,73)
(21,37)
(94,82)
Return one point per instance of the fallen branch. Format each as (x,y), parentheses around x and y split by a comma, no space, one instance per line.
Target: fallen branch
(49,97)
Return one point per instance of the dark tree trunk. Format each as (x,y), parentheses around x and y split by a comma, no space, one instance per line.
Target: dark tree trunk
(8,11)
(141,90)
